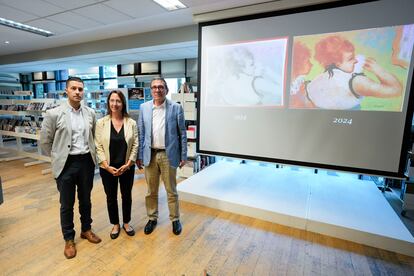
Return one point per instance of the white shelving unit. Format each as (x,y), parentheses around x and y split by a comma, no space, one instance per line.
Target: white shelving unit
(18,132)
(189,103)
(20,152)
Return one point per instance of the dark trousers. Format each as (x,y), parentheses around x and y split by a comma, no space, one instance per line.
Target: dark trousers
(78,172)
(110,183)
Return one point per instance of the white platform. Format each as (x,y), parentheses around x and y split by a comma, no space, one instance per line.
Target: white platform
(342,207)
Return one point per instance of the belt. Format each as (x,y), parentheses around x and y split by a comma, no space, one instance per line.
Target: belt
(79,156)
(157,150)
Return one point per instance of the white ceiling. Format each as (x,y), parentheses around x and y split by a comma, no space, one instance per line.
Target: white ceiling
(79,21)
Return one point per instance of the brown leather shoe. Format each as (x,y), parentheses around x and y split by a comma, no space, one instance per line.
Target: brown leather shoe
(70,249)
(90,236)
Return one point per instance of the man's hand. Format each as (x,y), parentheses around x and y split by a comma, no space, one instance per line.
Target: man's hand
(182,163)
(139,164)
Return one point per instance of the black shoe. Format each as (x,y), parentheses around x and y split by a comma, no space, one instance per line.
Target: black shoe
(115,235)
(176,225)
(150,227)
(130,232)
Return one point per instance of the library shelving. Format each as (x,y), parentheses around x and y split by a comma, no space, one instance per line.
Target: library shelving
(20,118)
(196,162)
(97,100)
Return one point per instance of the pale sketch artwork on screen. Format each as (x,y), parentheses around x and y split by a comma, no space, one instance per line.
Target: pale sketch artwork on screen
(247,74)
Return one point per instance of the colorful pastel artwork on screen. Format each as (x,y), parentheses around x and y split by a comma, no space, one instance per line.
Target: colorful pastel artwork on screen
(247,74)
(354,70)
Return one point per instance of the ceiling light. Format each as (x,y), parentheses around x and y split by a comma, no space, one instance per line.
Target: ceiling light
(7,42)
(170,5)
(23,27)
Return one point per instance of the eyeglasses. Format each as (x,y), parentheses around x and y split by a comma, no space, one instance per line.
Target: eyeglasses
(159,87)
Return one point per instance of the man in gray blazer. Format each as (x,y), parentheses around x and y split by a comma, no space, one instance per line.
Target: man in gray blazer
(67,136)
(162,148)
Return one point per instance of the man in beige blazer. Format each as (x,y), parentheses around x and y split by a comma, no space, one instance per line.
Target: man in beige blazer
(67,137)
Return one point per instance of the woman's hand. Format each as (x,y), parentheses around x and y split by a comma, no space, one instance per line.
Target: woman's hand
(123,169)
(112,170)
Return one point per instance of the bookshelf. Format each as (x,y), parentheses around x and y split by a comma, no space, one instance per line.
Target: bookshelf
(97,100)
(20,118)
(196,162)
(23,115)
(13,94)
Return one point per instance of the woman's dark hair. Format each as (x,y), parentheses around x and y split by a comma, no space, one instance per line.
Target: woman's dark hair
(123,100)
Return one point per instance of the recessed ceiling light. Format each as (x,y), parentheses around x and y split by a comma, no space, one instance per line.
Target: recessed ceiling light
(24,27)
(170,5)
(7,42)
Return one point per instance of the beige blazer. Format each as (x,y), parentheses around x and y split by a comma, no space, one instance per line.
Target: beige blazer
(103,136)
(56,135)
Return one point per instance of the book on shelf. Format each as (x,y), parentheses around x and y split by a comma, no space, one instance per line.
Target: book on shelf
(22,93)
(191,131)
(20,126)
(12,107)
(15,93)
(6,93)
(203,161)
(33,106)
(42,106)
(196,165)
(191,149)
(8,124)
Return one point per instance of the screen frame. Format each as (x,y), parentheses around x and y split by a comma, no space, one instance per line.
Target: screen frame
(405,143)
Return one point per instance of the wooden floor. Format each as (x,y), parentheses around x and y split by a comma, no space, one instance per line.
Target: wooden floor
(212,242)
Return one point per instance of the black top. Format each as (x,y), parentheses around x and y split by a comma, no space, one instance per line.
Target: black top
(117,147)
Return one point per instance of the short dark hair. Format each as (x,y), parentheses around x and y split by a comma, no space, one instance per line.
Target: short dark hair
(123,100)
(72,78)
(160,79)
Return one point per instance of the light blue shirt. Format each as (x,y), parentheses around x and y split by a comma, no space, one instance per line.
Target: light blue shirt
(79,133)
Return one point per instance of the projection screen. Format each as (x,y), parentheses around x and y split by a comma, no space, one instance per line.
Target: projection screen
(327,86)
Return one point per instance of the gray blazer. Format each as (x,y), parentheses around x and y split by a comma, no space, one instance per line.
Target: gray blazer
(175,133)
(56,135)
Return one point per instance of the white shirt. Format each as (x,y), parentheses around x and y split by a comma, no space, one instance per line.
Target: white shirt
(333,92)
(79,133)
(158,126)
